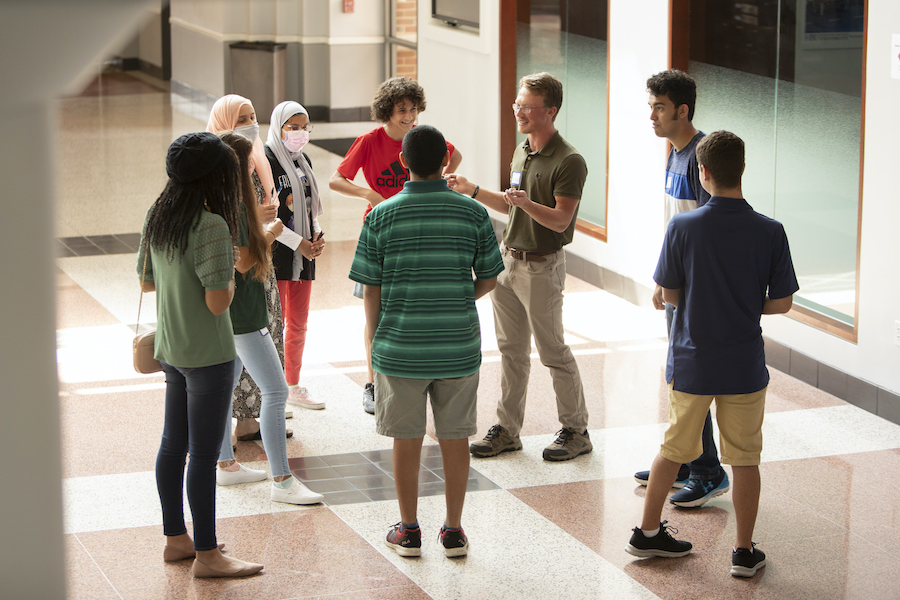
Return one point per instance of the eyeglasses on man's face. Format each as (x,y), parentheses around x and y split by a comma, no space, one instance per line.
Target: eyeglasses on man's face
(525,109)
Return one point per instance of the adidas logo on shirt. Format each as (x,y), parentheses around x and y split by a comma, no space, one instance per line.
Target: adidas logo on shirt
(396,176)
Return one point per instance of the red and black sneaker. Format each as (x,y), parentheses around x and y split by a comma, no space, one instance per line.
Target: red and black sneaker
(406,541)
(455,542)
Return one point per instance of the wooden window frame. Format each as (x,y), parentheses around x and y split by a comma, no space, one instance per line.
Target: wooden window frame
(508,15)
(391,40)
(679,58)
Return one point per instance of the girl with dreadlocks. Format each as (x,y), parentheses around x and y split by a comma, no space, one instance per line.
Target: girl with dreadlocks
(187,257)
(255,347)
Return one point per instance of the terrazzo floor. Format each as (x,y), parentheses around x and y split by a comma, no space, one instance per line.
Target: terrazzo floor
(829,515)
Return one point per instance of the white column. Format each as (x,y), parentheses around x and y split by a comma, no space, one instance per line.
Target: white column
(44,45)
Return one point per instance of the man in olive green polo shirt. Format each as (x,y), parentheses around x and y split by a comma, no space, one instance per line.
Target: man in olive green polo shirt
(547,177)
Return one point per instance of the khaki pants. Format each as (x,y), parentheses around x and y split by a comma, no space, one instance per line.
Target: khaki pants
(528,300)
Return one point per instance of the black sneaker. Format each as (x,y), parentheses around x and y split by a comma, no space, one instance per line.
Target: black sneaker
(568,444)
(407,542)
(697,492)
(455,542)
(496,441)
(369,398)
(662,544)
(684,473)
(745,563)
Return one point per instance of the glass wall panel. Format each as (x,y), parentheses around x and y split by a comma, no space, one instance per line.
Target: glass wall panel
(786,76)
(568,39)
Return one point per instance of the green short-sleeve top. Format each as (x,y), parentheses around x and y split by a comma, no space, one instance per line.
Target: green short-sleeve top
(188,335)
(249,311)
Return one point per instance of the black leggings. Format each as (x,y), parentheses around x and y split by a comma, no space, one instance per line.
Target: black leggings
(196,402)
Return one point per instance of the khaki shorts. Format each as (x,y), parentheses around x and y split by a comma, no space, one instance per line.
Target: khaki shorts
(400,406)
(740,418)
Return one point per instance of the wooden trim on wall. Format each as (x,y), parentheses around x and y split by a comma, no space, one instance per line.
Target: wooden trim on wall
(679,34)
(862,162)
(824,322)
(586,227)
(595,231)
(508,20)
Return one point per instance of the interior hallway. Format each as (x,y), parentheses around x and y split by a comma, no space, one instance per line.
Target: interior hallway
(829,512)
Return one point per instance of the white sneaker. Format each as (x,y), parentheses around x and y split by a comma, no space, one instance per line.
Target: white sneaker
(300,396)
(242,475)
(296,494)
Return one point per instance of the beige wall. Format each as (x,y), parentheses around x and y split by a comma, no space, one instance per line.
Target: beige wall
(322,43)
(459,69)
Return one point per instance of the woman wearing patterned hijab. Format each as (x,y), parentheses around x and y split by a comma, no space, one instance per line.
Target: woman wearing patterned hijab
(235,113)
(299,209)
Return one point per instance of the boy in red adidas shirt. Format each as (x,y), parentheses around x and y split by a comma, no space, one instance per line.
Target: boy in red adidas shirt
(397,105)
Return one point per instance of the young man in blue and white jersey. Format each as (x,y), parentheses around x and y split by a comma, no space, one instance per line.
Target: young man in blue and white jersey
(673,95)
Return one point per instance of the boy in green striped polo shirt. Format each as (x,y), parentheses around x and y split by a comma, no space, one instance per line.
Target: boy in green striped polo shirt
(416,257)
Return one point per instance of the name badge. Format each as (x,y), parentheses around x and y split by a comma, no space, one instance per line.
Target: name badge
(516,178)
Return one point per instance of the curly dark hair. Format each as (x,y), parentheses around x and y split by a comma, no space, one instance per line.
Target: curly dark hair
(394,91)
(678,86)
(177,210)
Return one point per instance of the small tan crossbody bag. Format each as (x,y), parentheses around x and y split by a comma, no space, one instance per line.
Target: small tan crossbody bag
(144,343)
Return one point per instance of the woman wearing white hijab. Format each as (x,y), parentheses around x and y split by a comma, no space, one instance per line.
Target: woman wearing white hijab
(300,208)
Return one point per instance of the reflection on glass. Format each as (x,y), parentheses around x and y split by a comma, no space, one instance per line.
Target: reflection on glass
(787,77)
(568,39)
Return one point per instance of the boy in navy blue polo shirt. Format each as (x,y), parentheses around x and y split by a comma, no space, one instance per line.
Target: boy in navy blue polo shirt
(723,265)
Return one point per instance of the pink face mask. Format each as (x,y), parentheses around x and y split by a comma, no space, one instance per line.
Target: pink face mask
(295,140)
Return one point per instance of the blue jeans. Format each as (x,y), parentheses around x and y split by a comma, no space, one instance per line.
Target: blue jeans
(196,400)
(707,466)
(256,351)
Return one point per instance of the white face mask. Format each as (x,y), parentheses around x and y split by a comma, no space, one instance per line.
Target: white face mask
(251,132)
(295,140)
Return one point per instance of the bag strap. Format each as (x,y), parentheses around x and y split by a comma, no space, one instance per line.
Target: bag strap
(141,300)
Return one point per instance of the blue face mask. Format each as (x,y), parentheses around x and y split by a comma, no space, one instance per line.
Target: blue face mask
(251,132)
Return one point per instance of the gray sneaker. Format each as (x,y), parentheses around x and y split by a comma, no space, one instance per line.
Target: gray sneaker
(496,441)
(569,444)
(369,398)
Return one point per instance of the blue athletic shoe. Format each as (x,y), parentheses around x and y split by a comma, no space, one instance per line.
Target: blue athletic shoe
(684,473)
(697,492)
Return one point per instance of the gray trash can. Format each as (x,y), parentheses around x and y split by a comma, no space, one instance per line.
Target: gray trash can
(258,73)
